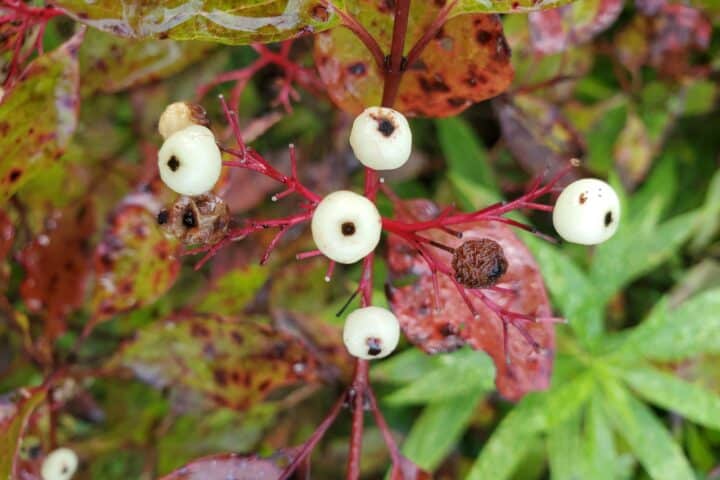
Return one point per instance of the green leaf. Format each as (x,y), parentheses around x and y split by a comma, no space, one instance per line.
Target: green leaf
(693,402)
(598,443)
(505,6)
(111,64)
(38,116)
(673,334)
(438,428)
(633,252)
(463,372)
(231,292)
(564,445)
(465,155)
(649,440)
(224,21)
(709,225)
(405,367)
(570,289)
(536,412)
(13,427)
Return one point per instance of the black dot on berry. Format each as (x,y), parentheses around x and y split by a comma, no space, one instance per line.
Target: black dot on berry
(608,218)
(189,219)
(374,348)
(386,127)
(64,469)
(348,228)
(173,164)
(163,217)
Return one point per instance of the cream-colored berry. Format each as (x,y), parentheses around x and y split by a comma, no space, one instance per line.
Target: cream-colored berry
(190,161)
(60,464)
(346,226)
(371,333)
(180,115)
(381,138)
(587,212)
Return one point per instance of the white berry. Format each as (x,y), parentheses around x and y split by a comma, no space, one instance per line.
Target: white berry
(587,212)
(60,464)
(190,161)
(371,332)
(346,226)
(381,138)
(180,115)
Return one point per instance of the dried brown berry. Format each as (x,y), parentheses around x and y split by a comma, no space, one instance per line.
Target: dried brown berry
(479,263)
(196,220)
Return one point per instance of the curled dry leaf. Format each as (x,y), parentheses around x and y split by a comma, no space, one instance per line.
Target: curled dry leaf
(220,21)
(234,466)
(555,30)
(454,326)
(135,263)
(226,362)
(38,116)
(56,267)
(468,61)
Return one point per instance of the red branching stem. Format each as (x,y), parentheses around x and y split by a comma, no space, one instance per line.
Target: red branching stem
(356,396)
(384,428)
(310,254)
(23,21)
(311,442)
(430,32)
(491,213)
(252,160)
(396,63)
(293,73)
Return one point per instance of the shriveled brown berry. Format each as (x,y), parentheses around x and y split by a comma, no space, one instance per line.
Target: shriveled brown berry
(196,220)
(479,263)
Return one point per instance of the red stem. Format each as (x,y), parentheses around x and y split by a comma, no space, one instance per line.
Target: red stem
(313,440)
(357,393)
(396,63)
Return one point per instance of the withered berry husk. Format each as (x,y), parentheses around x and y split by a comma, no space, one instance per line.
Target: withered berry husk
(202,219)
(479,263)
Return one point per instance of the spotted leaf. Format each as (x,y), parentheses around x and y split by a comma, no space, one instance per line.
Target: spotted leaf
(38,116)
(135,263)
(233,363)
(468,61)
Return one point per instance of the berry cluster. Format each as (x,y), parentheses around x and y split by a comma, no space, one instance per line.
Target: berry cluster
(346,227)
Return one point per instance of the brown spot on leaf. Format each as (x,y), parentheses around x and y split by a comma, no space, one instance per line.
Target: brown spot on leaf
(358,69)
(319,13)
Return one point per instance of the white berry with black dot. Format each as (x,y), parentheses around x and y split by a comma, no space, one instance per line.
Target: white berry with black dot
(190,161)
(346,226)
(371,333)
(381,138)
(60,464)
(587,212)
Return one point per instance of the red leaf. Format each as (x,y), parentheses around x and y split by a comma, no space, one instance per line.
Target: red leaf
(56,267)
(233,466)
(407,470)
(453,326)
(555,30)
